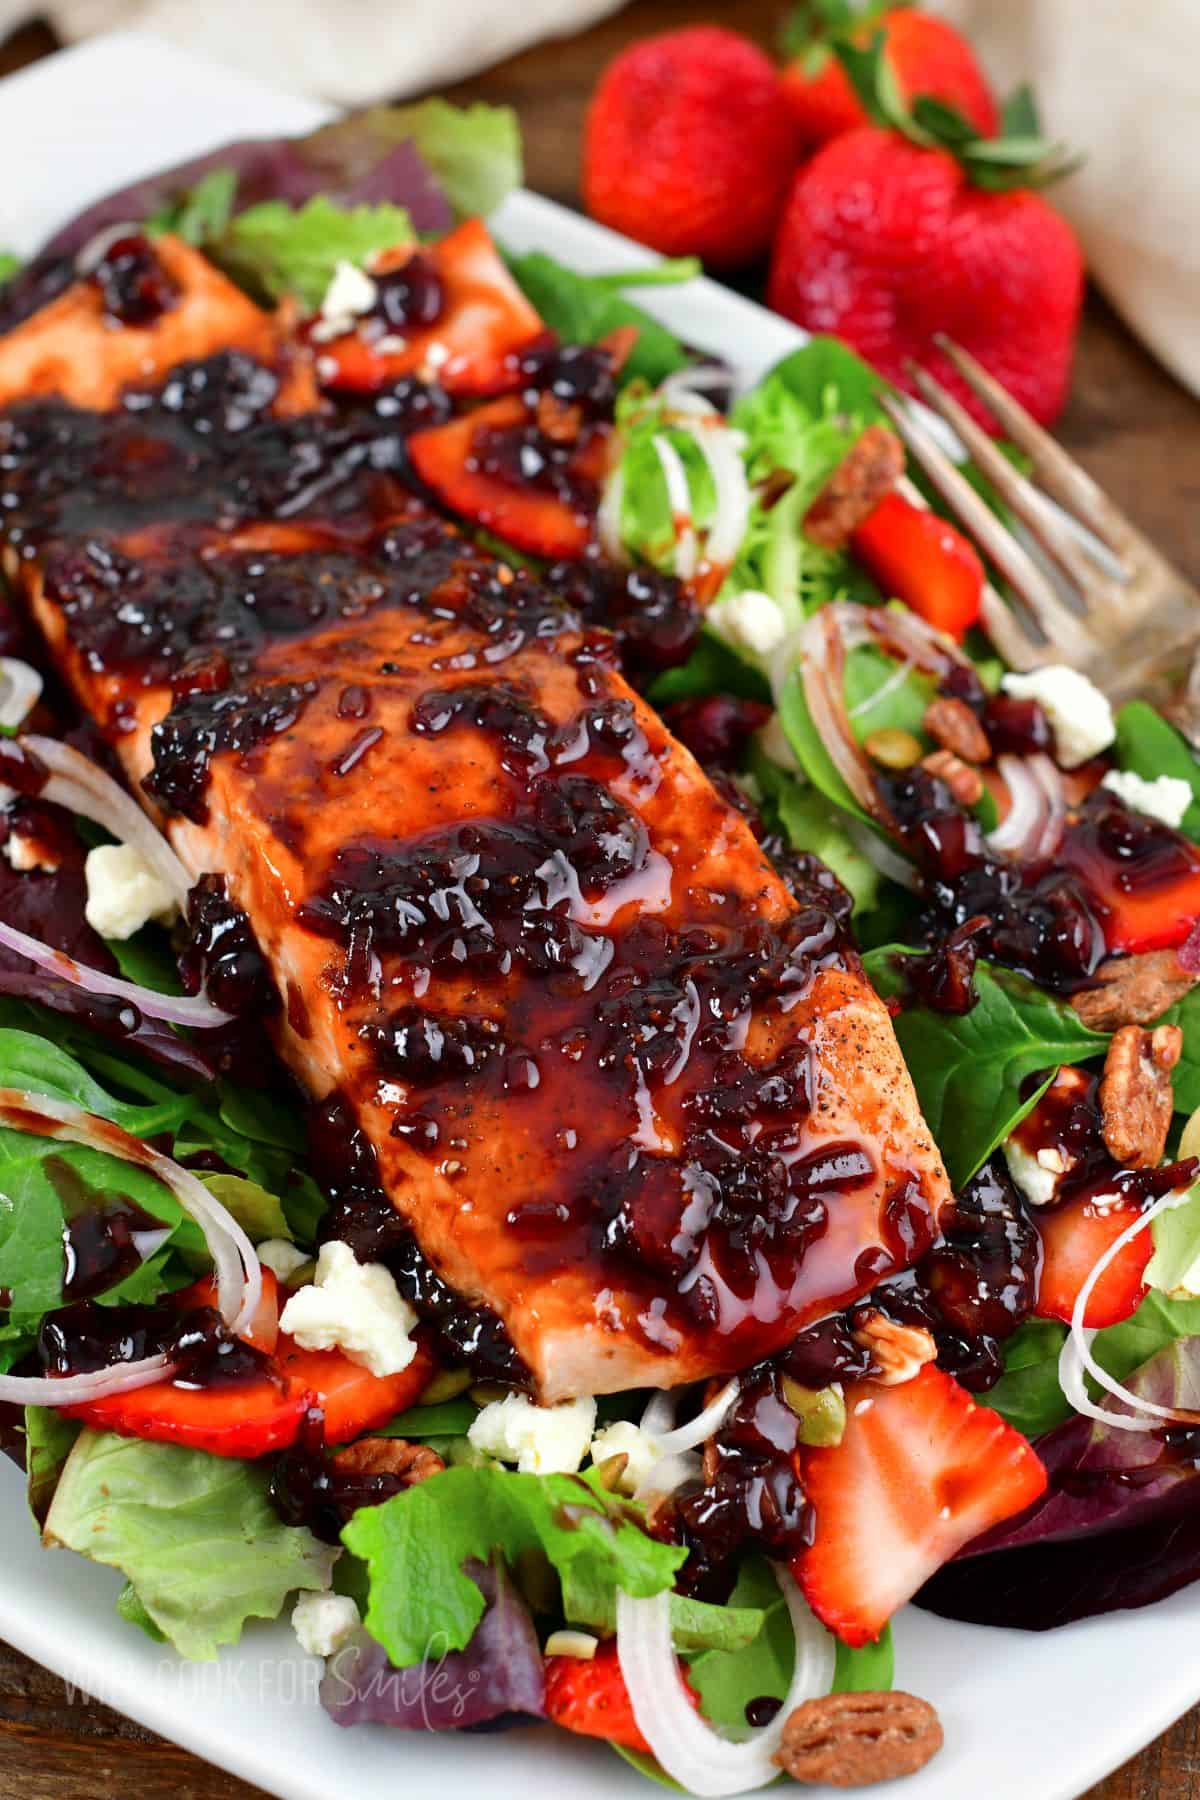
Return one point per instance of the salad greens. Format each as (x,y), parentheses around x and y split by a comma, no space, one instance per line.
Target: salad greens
(1149,746)
(582,309)
(970,1070)
(195,1535)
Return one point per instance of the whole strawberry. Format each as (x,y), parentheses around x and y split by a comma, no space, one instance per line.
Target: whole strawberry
(888,245)
(690,145)
(924,56)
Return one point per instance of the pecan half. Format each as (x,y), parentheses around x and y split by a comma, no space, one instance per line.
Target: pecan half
(1134,990)
(410,1463)
(869,470)
(898,1351)
(1136,1102)
(953,725)
(964,782)
(852,1740)
(559,420)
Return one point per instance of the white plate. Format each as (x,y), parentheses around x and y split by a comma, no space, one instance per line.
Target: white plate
(1027,1717)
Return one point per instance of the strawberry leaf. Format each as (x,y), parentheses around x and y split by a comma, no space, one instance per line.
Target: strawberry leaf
(809,26)
(1020,115)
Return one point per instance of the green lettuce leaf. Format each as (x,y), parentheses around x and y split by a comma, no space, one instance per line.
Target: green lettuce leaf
(49,1439)
(416,1544)
(810,822)
(257,1211)
(195,1535)
(1028,1394)
(9,265)
(1174,1268)
(1185,1076)
(584,308)
(1149,746)
(275,249)
(473,151)
(199,214)
(969,1069)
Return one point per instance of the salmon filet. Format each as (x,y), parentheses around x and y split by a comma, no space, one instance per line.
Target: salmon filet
(630,1097)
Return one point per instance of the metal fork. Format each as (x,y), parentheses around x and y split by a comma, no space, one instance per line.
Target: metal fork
(1117,609)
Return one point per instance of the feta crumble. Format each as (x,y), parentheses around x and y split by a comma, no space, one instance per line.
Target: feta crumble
(282,1258)
(1167,797)
(541,1440)
(324,1622)
(124,891)
(1079,714)
(350,294)
(353,1307)
(1035,1180)
(749,621)
(623,1438)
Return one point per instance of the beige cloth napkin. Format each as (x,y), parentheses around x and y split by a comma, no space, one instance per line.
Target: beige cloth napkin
(347,51)
(1120,80)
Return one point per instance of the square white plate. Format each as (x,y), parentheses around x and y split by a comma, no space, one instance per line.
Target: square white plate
(1027,1717)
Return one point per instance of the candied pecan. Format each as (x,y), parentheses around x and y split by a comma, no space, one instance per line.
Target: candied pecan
(1134,990)
(953,725)
(964,782)
(869,470)
(852,1740)
(897,1351)
(1136,1102)
(411,1463)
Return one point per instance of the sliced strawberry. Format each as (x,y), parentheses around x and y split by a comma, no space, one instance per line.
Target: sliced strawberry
(352,1399)
(244,1417)
(1074,1237)
(915,556)
(263,1329)
(592,1699)
(470,347)
(921,1470)
(536,519)
(1143,877)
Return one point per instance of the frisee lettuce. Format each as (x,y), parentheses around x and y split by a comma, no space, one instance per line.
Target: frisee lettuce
(195,1535)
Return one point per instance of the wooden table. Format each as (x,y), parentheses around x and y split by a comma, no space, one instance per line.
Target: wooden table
(1138,433)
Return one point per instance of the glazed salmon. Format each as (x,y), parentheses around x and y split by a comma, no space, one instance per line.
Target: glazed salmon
(631,1098)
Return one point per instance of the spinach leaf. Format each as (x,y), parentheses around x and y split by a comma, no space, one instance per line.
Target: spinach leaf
(1149,746)
(1186,1074)
(969,1069)
(827,377)
(581,309)
(712,668)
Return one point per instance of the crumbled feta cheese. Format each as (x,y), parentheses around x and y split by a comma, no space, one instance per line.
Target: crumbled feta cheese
(623,1438)
(580,1644)
(350,294)
(1167,797)
(1079,714)
(25,855)
(541,1440)
(1035,1179)
(324,1622)
(353,1307)
(282,1258)
(774,743)
(124,891)
(749,621)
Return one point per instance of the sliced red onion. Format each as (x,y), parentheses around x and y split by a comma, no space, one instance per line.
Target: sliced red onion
(1076,1359)
(75,1390)
(239,1276)
(608,515)
(1033,827)
(680,382)
(685,1745)
(1024,823)
(714,1415)
(883,856)
(195,1009)
(659,1415)
(822,670)
(906,634)
(20,691)
(679,499)
(1049,779)
(83,787)
(719,447)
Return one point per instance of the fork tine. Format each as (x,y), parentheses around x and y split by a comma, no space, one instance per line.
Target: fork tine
(1067,633)
(1057,472)
(1013,488)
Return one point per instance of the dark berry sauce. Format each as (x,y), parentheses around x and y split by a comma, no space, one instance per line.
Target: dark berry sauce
(134,286)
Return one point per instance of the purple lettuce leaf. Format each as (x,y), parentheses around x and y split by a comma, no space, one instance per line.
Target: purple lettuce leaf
(496,1680)
(1118,1525)
(352,162)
